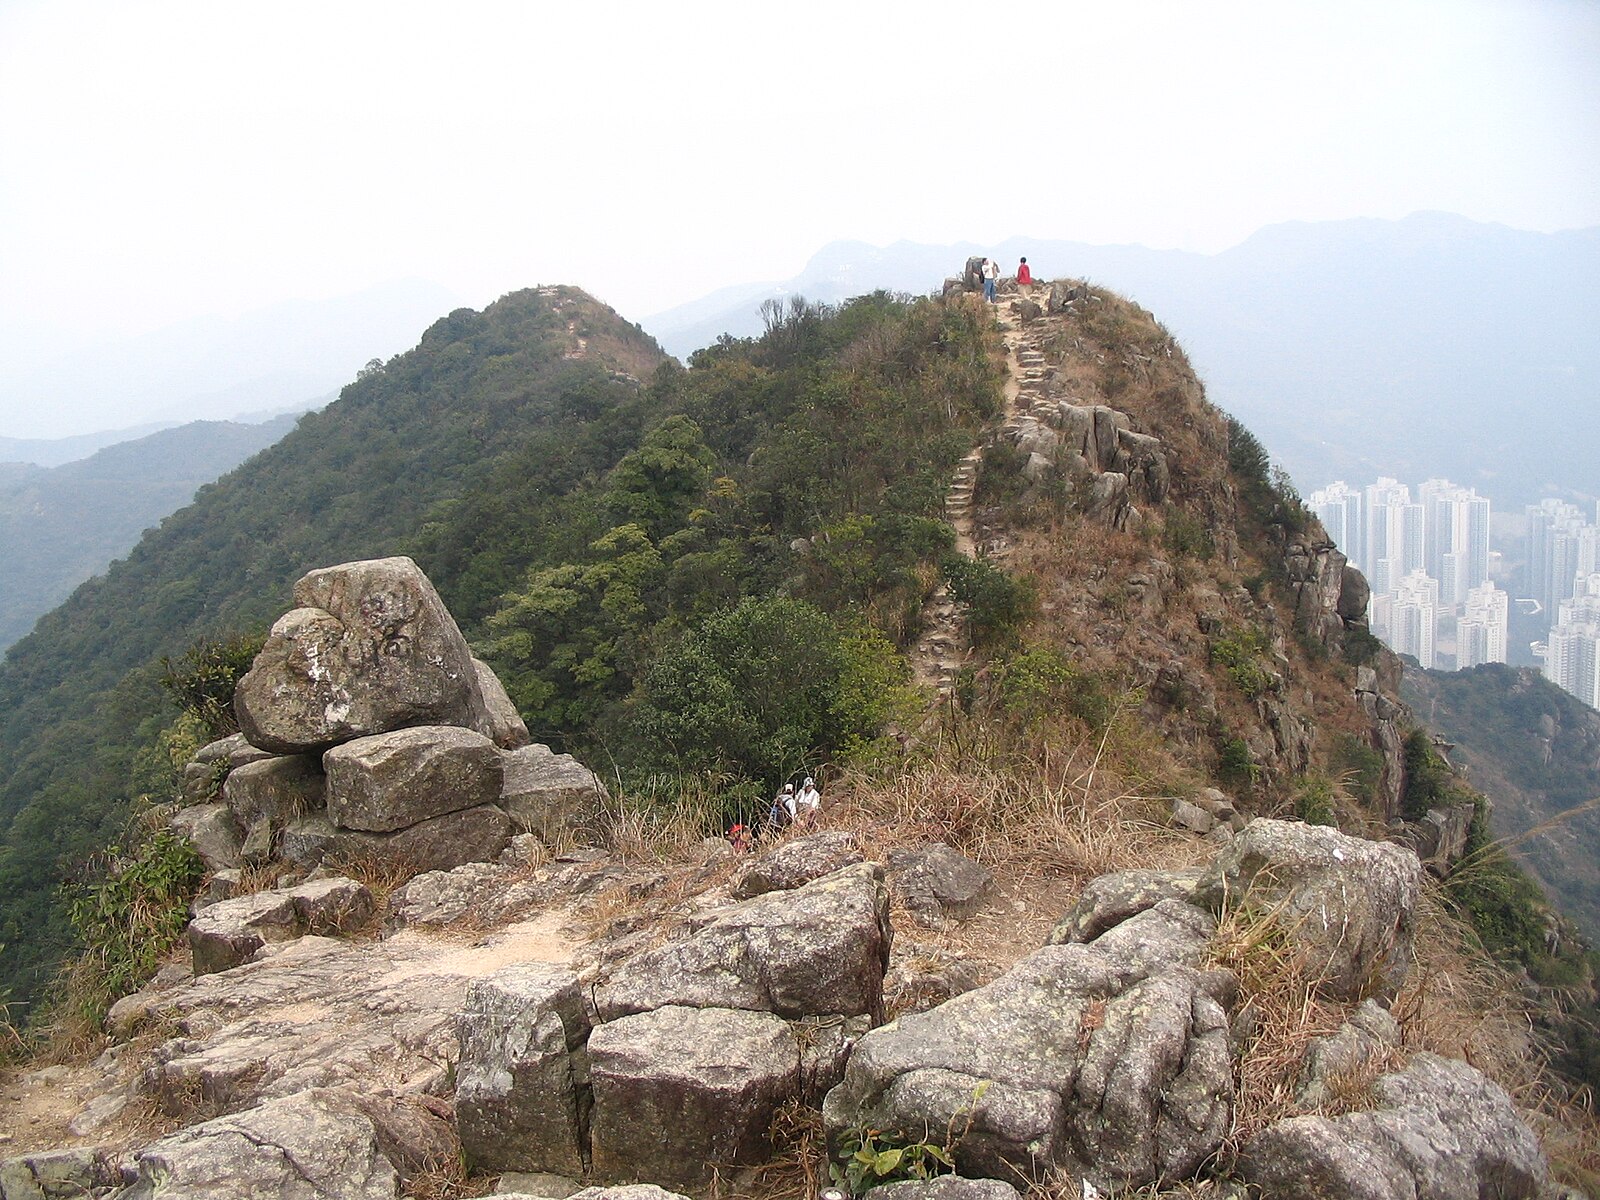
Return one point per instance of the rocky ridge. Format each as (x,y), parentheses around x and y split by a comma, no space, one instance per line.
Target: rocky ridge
(327,1041)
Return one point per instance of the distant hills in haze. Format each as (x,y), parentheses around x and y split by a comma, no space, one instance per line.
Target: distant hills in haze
(1429,346)
(62,524)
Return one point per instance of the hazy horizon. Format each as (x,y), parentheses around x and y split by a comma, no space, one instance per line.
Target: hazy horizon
(171,161)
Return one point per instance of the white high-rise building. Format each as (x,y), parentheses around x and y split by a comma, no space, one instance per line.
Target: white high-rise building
(1572,659)
(1481,630)
(1559,543)
(1414,617)
(1339,508)
(1457,535)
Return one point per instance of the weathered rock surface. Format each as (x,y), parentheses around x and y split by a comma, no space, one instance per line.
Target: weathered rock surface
(214,832)
(795,864)
(229,932)
(275,789)
(939,883)
(521,1078)
(946,1187)
(1345,902)
(821,949)
(553,796)
(316,1145)
(370,649)
(499,720)
(440,843)
(679,1091)
(320,1012)
(1441,1131)
(1370,1031)
(1108,900)
(57,1174)
(1069,1060)
(390,781)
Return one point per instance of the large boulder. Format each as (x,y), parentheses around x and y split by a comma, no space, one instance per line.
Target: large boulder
(796,863)
(370,648)
(682,1092)
(937,882)
(521,1099)
(553,796)
(1441,1130)
(268,793)
(1072,1060)
(393,780)
(818,950)
(315,1145)
(1346,903)
(214,832)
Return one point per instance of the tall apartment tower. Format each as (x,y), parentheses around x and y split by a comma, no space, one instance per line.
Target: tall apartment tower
(1456,524)
(1414,616)
(1572,660)
(1482,629)
(1396,535)
(1340,509)
(1559,542)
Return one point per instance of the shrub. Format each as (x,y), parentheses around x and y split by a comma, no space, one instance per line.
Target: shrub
(997,603)
(128,918)
(1239,651)
(203,679)
(1235,764)
(1187,534)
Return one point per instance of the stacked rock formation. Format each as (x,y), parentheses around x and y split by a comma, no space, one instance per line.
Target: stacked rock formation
(371,733)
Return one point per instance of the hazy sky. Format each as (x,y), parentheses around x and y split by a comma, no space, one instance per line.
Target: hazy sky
(163,160)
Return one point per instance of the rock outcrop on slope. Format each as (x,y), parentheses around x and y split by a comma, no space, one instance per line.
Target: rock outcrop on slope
(371,734)
(1108,1054)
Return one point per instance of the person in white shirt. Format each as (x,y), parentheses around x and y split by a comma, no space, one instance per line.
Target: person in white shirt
(808,804)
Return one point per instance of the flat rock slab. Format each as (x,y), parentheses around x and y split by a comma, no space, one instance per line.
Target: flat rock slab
(1441,1130)
(312,1146)
(370,648)
(521,1095)
(228,933)
(1348,904)
(394,780)
(821,949)
(323,1012)
(681,1092)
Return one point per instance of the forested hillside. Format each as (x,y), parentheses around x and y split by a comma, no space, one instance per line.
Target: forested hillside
(1535,750)
(592,517)
(61,525)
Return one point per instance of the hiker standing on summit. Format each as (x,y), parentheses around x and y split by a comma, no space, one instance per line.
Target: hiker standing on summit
(991,274)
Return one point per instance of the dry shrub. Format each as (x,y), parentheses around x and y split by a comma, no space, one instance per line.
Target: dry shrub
(664,824)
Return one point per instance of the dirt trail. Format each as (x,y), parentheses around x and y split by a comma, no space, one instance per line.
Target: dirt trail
(943,648)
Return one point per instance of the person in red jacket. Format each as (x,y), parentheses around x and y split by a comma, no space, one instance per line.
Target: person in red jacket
(1024,276)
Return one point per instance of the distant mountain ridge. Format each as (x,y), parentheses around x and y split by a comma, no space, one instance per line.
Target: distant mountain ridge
(60,525)
(1433,345)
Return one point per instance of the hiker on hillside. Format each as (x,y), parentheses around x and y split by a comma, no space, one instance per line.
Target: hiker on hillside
(781,815)
(808,804)
(991,274)
(1024,276)
(739,839)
